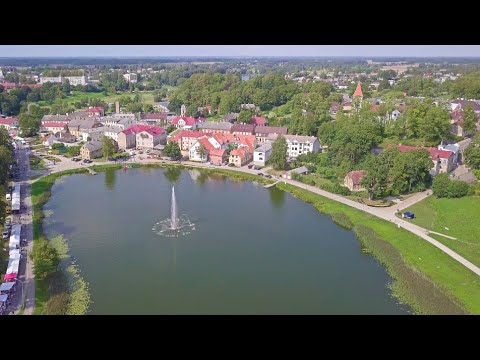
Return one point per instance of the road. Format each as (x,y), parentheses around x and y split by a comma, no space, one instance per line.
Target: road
(25,276)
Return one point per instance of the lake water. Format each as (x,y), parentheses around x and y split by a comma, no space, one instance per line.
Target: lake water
(253,250)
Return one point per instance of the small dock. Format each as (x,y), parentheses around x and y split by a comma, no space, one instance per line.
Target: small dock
(91,171)
(268,186)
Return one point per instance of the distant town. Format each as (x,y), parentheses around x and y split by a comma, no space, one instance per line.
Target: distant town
(384,135)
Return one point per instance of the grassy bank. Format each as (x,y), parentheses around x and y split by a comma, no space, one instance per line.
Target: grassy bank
(424,277)
(41,191)
(37,163)
(460,216)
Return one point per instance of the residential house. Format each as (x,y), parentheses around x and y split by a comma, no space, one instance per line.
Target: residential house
(461,104)
(186,139)
(443,160)
(9,123)
(65,137)
(240,157)
(218,156)
(353,180)
(242,129)
(394,115)
(230,117)
(347,106)
(151,137)
(212,127)
(263,133)
(262,154)
(153,119)
(185,122)
(79,124)
(334,108)
(112,132)
(91,150)
(205,110)
(258,120)
(50,140)
(55,118)
(162,107)
(130,116)
(250,107)
(298,144)
(54,127)
(130,77)
(195,153)
(127,139)
(457,122)
(95,111)
(300,171)
(73,80)
(92,133)
(462,145)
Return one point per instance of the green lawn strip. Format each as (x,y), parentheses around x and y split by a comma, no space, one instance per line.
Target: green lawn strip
(430,263)
(41,191)
(460,216)
(36,163)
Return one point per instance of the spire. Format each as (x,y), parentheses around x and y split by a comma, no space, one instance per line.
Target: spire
(358,91)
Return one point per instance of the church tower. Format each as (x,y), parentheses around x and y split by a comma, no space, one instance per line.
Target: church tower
(357,98)
(183,110)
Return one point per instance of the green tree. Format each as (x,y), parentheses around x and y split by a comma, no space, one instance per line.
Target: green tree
(202,151)
(444,187)
(73,150)
(66,87)
(435,126)
(411,170)
(172,150)
(278,157)
(28,124)
(108,147)
(170,129)
(45,258)
(245,116)
(469,120)
(147,108)
(472,154)
(376,179)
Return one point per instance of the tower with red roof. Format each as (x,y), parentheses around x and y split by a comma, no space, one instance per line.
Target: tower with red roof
(358,92)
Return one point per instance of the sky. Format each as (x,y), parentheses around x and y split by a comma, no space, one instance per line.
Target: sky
(238,50)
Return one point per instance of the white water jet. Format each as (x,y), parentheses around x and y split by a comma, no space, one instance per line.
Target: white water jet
(174,215)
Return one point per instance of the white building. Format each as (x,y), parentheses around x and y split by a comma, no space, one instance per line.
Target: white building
(112,132)
(130,77)
(74,80)
(298,145)
(119,122)
(262,154)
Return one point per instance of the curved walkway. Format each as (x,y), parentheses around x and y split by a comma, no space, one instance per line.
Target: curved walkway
(387,214)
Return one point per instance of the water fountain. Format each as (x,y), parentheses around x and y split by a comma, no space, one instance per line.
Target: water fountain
(175,225)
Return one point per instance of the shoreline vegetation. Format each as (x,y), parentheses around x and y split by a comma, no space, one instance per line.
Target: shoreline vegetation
(423,277)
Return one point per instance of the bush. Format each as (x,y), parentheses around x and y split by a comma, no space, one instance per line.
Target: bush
(58,304)
(444,187)
(58,146)
(231,164)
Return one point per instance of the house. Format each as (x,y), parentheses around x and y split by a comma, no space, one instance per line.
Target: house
(154,119)
(240,157)
(243,129)
(298,144)
(250,107)
(151,137)
(91,150)
(334,108)
(127,139)
(9,123)
(73,80)
(186,139)
(257,120)
(230,117)
(162,107)
(185,122)
(112,132)
(462,145)
(462,104)
(95,111)
(205,110)
(130,116)
(79,124)
(353,180)
(394,115)
(215,127)
(443,160)
(50,140)
(65,137)
(218,156)
(195,153)
(54,127)
(130,77)
(92,133)
(347,106)
(300,171)
(262,133)
(262,154)
(55,118)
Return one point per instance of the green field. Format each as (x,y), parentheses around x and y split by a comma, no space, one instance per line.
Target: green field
(460,216)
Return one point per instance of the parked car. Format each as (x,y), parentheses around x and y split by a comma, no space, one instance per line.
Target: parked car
(260,174)
(86,161)
(268,176)
(250,166)
(408,215)
(256,167)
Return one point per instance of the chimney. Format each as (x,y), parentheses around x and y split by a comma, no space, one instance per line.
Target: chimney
(117,107)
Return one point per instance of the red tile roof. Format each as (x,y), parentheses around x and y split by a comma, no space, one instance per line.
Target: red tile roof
(135,129)
(257,120)
(8,121)
(243,128)
(217,152)
(241,153)
(358,91)
(154,130)
(206,144)
(189,121)
(435,154)
(96,109)
(357,176)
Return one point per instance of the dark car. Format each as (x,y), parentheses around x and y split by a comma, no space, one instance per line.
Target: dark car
(250,166)
(76,159)
(256,167)
(86,161)
(408,215)
(260,174)
(268,176)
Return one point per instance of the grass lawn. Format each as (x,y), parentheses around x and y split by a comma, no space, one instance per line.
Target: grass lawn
(460,216)
(53,158)
(37,163)
(455,279)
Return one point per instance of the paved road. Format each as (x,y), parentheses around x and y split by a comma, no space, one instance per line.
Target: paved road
(383,213)
(25,276)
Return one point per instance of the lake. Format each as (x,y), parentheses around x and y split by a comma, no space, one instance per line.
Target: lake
(252,250)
